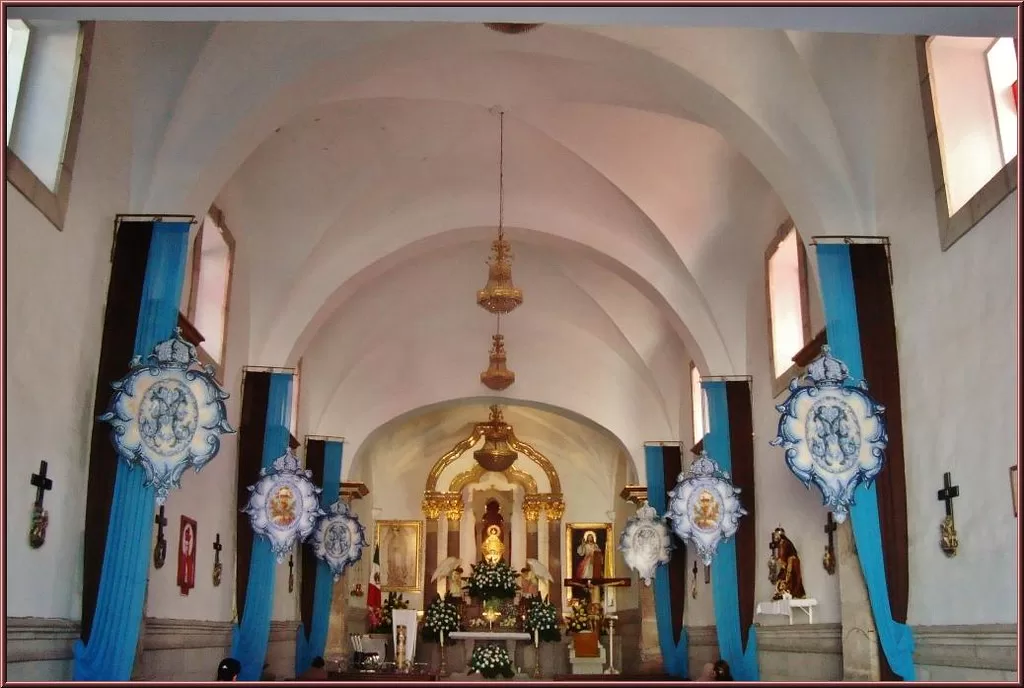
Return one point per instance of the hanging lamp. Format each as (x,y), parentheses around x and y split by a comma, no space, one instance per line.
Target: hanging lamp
(498,376)
(500,295)
(496,455)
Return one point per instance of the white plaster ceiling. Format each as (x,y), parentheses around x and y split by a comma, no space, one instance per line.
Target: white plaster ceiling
(646,170)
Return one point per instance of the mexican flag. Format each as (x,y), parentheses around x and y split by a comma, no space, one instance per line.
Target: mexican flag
(373,593)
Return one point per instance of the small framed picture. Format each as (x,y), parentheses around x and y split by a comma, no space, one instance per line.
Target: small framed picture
(1013,488)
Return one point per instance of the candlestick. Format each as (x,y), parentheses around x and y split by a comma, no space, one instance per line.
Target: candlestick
(536,653)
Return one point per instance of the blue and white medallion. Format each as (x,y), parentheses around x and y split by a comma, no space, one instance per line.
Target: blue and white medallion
(168,414)
(284,505)
(339,539)
(645,542)
(704,508)
(834,433)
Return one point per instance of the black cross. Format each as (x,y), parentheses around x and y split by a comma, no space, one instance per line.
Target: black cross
(948,493)
(291,572)
(160,522)
(217,547)
(830,527)
(41,483)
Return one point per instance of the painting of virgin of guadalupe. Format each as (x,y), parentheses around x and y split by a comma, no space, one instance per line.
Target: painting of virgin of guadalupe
(400,566)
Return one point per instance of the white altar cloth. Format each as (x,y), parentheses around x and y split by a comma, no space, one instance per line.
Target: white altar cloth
(510,638)
(785,607)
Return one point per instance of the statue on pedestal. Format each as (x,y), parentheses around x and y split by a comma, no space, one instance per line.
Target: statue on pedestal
(785,573)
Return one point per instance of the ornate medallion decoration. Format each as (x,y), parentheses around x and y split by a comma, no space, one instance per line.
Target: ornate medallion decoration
(704,508)
(339,538)
(833,433)
(645,543)
(168,414)
(283,506)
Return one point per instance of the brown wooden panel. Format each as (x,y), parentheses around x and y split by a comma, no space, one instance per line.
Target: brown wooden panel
(672,466)
(252,428)
(877,322)
(741,441)
(120,321)
(315,450)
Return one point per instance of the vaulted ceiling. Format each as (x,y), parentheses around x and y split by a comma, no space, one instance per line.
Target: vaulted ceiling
(646,168)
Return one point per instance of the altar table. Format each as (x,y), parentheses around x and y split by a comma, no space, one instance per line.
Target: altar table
(785,607)
(510,638)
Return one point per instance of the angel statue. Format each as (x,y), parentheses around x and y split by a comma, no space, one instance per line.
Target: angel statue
(451,570)
(530,577)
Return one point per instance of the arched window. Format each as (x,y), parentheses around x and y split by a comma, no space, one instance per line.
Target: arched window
(46,67)
(698,404)
(969,96)
(208,290)
(789,325)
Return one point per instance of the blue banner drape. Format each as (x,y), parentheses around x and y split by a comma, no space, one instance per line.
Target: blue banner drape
(724,583)
(309,647)
(843,331)
(110,654)
(251,636)
(674,654)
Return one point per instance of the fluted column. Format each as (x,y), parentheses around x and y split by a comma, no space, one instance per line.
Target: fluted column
(531,512)
(453,512)
(555,511)
(432,508)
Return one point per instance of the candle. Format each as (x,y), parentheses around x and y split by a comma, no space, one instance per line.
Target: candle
(536,637)
(442,638)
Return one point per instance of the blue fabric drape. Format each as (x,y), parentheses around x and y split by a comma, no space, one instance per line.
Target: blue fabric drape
(308,648)
(840,303)
(724,583)
(110,654)
(251,636)
(673,654)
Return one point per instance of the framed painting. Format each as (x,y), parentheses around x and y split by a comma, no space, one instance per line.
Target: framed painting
(401,564)
(187,539)
(587,554)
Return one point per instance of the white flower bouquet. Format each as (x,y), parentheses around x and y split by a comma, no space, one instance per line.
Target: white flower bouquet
(491,661)
(542,621)
(442,616)
(492,581)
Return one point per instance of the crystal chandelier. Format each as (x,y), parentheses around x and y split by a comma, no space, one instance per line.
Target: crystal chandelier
(496,455)
(500,295)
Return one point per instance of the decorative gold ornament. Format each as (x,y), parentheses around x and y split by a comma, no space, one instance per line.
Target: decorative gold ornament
(556,508)
(532,506)
(493,548)
(496,454)
(497,376)
(500,295)
(453,507)
(433,505)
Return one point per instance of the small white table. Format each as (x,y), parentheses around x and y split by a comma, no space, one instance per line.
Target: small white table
(785,607)
(510,638)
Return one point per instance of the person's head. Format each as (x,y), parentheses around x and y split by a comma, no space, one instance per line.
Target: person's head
(318,663)
(229,669)
(707,672)
(722,672)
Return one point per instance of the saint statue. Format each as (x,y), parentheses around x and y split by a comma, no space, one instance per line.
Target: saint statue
(591,565)
(493,548)
(787,578)
(491,517)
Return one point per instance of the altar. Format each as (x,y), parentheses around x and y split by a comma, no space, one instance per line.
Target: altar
(785,607)
(509,637)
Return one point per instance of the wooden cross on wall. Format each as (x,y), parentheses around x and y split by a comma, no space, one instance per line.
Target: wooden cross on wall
(40,518)
(948,541)
(160,550)
(217,547)
(291,572)
(829,560)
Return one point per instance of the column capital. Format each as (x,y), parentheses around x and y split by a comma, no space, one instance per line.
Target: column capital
(555,507)
(453,506)
(634,494)
(532,506)
(433,504)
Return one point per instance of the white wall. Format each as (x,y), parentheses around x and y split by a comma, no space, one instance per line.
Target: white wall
(57,284)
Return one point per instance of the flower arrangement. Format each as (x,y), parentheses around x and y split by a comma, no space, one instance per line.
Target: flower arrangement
(578,620)
(541,617)
(491,661)
(442,616)
(379,618)
(492,581)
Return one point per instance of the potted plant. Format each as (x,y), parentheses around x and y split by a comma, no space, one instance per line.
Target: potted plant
(494,585)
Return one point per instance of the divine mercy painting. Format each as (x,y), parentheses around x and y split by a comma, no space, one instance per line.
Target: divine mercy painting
(587,554)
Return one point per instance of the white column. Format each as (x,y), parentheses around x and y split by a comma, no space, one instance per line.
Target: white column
(542,548)
(467,540)
(518,555)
